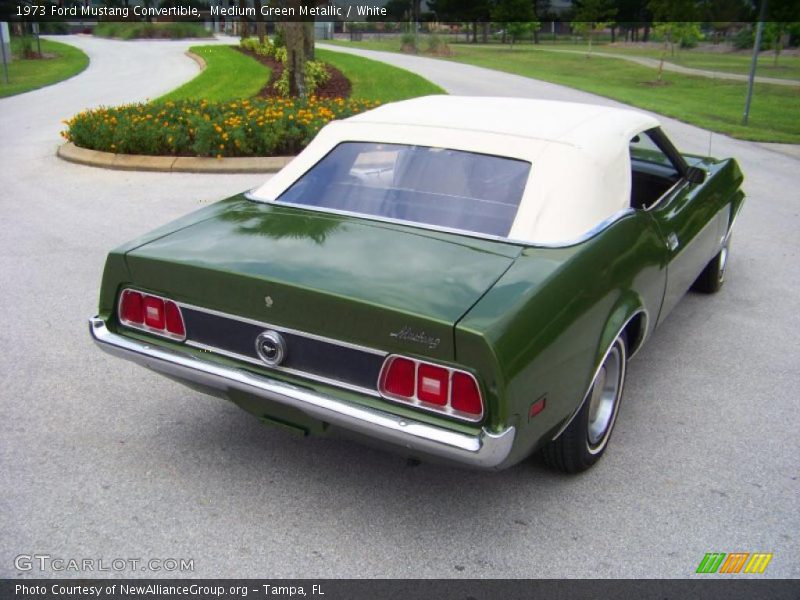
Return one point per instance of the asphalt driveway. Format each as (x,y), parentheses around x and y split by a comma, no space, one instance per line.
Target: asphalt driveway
(100,459)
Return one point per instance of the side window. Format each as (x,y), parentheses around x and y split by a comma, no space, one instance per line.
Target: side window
(652,171)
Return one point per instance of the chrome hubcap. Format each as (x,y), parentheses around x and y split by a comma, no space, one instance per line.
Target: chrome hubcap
(604,398)
(723,260)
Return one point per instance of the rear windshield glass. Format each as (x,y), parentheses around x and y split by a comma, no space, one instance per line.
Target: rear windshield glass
(433,186)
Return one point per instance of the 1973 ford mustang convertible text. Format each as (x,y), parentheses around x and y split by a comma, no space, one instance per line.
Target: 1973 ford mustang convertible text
(462,279)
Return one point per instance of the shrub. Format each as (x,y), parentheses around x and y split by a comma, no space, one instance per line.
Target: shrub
(437,45)
(316,75)
(253,45)
(272,127)
(250,44)
(128,31)
(53,27)
(745,39)
(408,42)
(279,39)
(316,72)
(26,47)
(282,85)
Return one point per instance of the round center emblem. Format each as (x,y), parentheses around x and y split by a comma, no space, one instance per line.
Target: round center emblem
(271,348)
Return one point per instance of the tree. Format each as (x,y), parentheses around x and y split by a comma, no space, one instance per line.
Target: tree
(516,18)
(243,24)
(261,26)
(471,11)
(781,15)
(299,39)
(540,9)
(667,15)
(593,15)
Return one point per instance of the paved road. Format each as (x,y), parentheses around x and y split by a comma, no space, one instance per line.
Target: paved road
(100,459)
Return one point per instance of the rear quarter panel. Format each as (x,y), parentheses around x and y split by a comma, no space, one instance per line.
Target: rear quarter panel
(542,329)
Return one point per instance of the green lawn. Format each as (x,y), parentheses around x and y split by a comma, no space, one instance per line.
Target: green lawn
(372,80)
(229,75)
(728,62)
(61,62)
(710,103)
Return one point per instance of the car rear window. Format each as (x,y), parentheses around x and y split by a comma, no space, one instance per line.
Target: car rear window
(437,187)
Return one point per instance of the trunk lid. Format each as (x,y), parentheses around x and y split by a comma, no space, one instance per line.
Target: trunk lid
(391,287)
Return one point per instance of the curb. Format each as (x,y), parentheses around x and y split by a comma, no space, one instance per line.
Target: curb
(171,164)
(201,62)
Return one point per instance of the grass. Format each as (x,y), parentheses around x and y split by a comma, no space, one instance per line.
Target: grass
(128,31)
(373,80)
(229,75)
(61,62)
(709,103)
(728,62)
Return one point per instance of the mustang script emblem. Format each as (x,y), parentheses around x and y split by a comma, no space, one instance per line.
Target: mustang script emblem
(418,337)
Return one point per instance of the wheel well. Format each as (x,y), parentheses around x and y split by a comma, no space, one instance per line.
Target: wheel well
(635,331)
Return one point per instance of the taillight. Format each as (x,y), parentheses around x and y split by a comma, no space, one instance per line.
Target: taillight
(466,395)
(152,314)
(131,308)
(398,378)
(174,319)
(431,387)
(433,384)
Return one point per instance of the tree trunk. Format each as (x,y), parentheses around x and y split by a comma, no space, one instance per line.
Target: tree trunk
(474,32)
(613,34)
(485,32)
(294,34)
(242,24)
(661,62)
(261,26)
(308,39)
(778,47)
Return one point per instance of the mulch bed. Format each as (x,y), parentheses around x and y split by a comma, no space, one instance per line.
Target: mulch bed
(337,86)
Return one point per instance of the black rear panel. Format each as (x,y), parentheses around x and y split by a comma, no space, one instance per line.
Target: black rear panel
(306,355)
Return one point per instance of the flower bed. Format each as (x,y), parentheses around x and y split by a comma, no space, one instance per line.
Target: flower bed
(273,127)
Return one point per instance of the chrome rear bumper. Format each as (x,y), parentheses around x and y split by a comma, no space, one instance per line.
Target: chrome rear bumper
(485,450)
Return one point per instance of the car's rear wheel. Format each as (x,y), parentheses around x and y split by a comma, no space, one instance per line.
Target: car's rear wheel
(713,276)
(585,440)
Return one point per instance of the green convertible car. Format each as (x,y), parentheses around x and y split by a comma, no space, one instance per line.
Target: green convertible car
(460,279)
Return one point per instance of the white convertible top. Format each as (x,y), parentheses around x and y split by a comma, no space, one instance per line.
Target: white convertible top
(580,164)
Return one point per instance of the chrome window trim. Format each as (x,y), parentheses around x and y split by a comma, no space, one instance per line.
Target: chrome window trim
(588,234)
(287,370)
(414,402)
(282,329)
(673,188)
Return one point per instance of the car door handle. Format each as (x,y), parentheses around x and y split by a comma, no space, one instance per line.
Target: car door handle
(672,241)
